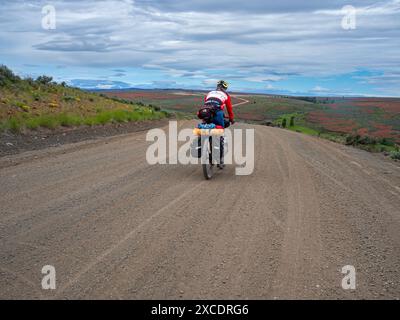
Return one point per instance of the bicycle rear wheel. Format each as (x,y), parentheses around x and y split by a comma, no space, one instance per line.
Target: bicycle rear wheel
(208,168)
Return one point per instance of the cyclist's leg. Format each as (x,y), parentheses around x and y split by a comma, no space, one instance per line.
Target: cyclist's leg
(219,118)
(220,121)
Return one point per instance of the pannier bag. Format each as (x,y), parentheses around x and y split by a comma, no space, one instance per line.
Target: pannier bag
(195,148)
(206,126)
(206,114)
(219,145)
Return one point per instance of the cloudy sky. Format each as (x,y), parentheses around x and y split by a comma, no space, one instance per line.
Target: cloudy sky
(310,47)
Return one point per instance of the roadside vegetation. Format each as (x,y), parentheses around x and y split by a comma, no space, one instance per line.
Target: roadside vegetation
(297,122)
(395,155)
(29,104)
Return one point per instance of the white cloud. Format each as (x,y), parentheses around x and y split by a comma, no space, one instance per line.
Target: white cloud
(319,89)
(269,86)
(264,78)
(104,86)
(210,82)
(259,42)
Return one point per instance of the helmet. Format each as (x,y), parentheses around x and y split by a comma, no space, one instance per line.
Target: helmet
(223,84)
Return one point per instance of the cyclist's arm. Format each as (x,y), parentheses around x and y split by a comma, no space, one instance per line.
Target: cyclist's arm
(229,107)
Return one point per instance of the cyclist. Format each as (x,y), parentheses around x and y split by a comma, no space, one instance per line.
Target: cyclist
(218,100)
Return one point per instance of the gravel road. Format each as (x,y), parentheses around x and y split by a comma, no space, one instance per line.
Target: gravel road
(115,227)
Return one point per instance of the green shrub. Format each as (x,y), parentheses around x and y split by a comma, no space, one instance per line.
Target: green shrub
(133,116)
(67,120)
(156,108)
(3,126)
(395,155)
(90,121)
(68,98)
(367,140)
(352,140)
(33,123)
(292,121)
(14,125)
(36,96)
(30,81)
(166,114)
(44,80)
(103,117)
(120,115)
(387,142)
(48,122)
(7,76)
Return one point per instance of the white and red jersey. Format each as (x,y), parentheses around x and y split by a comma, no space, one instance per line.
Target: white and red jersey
(224,99)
